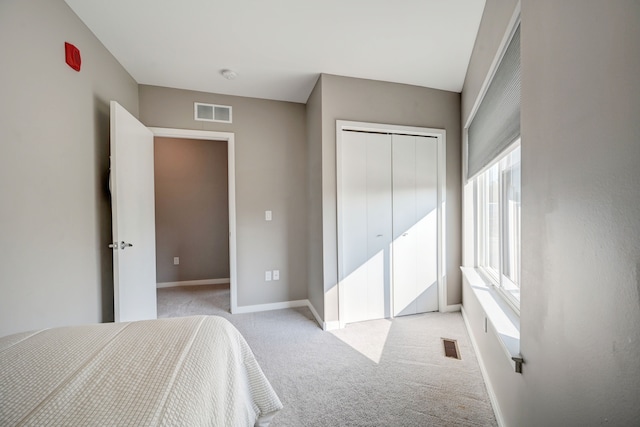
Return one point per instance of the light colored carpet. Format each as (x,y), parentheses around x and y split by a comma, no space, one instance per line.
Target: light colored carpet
(378,373)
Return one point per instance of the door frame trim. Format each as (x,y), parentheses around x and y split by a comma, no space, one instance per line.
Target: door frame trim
(440,135)
(229,137)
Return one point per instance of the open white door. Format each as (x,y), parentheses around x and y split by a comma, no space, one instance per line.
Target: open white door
(133,216)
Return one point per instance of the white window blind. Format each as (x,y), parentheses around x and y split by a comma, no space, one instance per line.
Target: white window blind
(496,123)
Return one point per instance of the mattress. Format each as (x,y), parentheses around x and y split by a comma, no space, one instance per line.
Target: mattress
(190,371)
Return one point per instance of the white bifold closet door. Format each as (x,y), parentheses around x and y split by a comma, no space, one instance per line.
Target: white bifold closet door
(415,225)
(388,225)
(366,226)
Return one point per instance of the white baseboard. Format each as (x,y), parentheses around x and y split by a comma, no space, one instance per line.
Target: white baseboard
(272,306)
(327,326)
(315,314)
(452,308)
(192,283)
(485,374)
(331,326)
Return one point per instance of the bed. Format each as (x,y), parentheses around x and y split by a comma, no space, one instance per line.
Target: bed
(189,371)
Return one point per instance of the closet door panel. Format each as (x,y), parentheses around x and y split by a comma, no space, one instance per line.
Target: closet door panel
(379,226)
(365,221)
(353,272)
(404,233)
(426,224)
(415,224)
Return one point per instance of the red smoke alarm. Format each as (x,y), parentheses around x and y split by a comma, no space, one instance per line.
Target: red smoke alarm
(72,56)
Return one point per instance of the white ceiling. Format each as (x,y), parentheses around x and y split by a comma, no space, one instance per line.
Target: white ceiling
(279,47)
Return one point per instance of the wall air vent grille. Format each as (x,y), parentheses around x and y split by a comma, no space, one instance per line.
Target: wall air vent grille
(212,112)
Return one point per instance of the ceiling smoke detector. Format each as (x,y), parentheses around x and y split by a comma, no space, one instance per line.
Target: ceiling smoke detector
(229,74)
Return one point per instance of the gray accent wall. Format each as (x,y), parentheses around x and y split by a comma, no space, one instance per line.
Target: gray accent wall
(580,309)
(271,174)
(55,215)
(192,209)
(353,99)
(315,287)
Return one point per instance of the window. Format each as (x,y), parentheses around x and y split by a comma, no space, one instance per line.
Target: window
(493,170)
(498,224)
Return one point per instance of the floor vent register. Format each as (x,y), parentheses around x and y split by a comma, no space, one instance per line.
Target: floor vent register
(451,348)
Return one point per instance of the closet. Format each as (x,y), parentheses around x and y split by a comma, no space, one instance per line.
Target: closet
(387,224)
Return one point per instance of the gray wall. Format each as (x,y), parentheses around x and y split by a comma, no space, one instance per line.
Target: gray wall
(55,267)
(271,174)
(347,98)
(495,19)
(580,309)
(55,218)
(314,198)
(192,209)
(505,383)
(581,211)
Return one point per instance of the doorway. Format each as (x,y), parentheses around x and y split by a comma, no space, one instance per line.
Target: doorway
(165,135)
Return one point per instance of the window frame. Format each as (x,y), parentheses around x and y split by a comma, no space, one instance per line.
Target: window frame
(497,279)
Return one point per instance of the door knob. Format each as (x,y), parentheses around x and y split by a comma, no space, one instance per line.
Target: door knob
(122,245)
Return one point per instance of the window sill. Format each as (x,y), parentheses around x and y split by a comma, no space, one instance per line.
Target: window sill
(510,296)
(498,312)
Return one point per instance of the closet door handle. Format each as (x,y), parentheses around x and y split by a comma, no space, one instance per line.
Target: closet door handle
(405,234)
(122,245)
(378,235)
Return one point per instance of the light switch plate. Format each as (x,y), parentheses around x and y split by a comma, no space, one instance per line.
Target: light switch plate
(267,215)
(176,260)
(276,274)
(267,276)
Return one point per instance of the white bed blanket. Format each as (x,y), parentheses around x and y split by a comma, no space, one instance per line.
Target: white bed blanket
(190,371)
